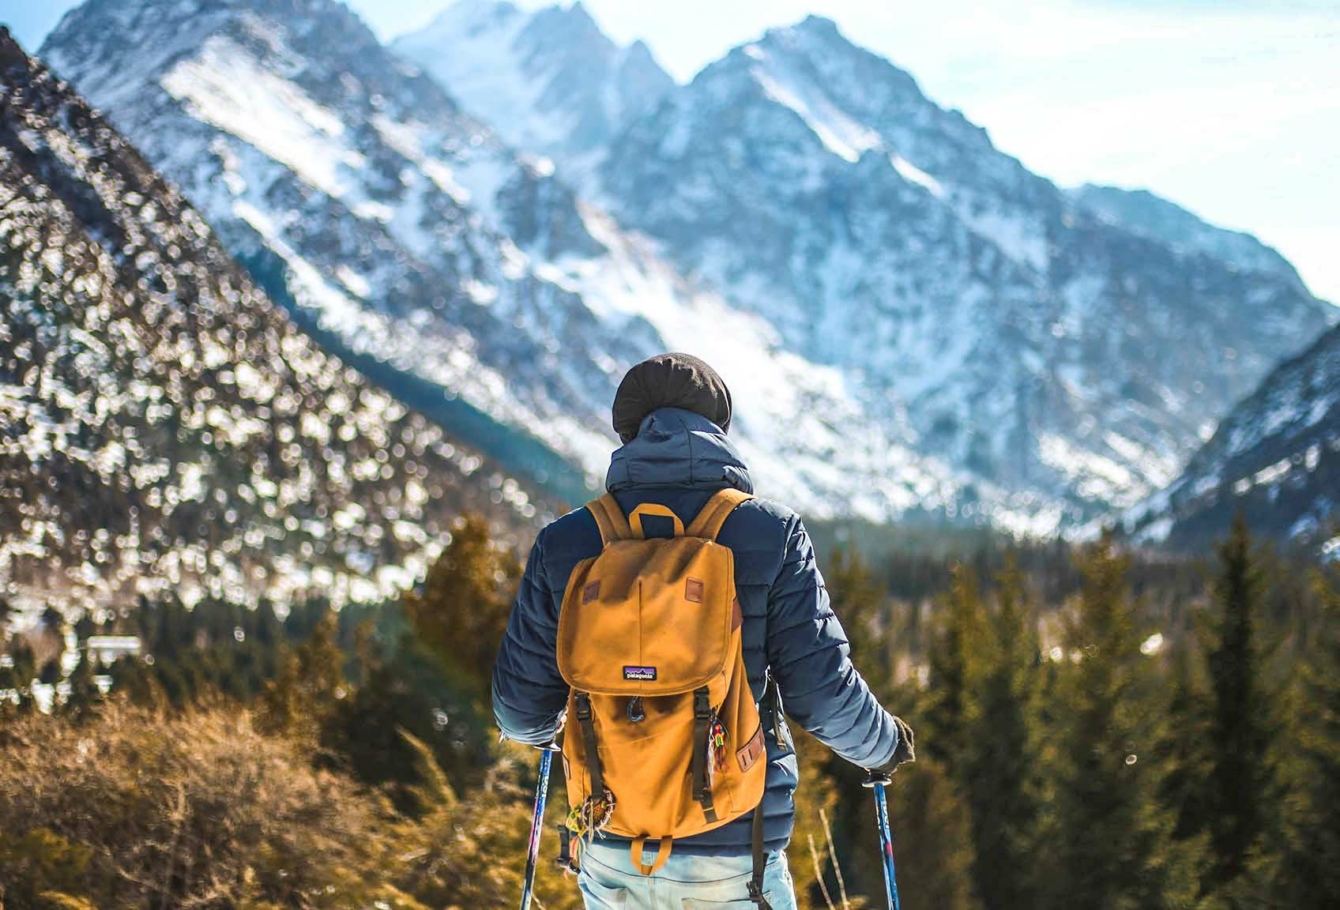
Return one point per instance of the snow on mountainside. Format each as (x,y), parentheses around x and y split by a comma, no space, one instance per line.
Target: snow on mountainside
(1024,339)
(1276,456)
(549,81)
(164,427)
(422,248)
(1143,213)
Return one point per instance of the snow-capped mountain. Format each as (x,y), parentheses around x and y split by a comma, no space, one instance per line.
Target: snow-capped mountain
(1143,213)
(164,427)
(1276,457)
(1025,339)
(453,270)
(549,81)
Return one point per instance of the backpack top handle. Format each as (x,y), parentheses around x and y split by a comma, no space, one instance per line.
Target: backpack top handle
(707,524)
(652,508)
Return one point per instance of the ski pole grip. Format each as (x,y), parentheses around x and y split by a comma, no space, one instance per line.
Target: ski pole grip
(875,779)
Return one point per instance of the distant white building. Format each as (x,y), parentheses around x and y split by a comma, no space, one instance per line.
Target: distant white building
(109,648)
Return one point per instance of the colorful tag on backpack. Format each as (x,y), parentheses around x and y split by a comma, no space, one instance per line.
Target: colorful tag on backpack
(716,748)
(592,816)
(645,673)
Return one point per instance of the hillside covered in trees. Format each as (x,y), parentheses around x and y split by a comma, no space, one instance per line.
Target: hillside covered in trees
(165,425)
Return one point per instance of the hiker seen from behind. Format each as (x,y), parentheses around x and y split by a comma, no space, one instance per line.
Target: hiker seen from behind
(670,628)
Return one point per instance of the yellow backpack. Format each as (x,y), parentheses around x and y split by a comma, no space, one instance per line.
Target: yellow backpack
(663,735)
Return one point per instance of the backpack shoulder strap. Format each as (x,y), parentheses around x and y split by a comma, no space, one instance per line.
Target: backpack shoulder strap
(610,519)
(714,514)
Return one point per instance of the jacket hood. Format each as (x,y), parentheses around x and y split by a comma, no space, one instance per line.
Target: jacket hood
(678,448)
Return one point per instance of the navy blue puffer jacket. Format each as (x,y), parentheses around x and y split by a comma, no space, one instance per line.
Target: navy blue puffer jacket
(678,460)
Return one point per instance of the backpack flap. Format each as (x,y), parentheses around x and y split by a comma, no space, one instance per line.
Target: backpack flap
(648,617)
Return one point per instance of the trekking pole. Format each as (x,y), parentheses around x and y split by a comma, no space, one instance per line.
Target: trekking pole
(878,782)
(537,823)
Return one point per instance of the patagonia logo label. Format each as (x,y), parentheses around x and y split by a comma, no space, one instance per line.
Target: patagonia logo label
(639,672)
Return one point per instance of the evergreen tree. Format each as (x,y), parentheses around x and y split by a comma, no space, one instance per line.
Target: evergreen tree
(1111,846)
(309,684)
(863,607)
(955,662)
(1001,763)
(84,626)
(137,682)
(460,613)
(367,731)
(24,670)
(84,692)
(402,704)
(1305,865)
(1239,729)
(1183,749)
(932,844)
(51,672)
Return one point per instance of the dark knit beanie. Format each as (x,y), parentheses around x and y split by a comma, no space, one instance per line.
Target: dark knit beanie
(670,381)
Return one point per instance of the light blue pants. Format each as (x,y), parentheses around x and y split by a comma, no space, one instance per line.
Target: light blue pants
(610,882)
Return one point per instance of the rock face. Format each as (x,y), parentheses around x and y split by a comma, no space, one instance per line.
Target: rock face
(164,427)
(1276,457)
(549,81)
(462,275)
(1029,341)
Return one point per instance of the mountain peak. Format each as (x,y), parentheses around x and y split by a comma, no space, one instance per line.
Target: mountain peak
(11,54)
(481,9)
(550,81)
(639,48)
(573,25)
(579,11)
(820,25)
(472,17)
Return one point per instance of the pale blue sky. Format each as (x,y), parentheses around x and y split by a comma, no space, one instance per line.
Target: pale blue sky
(1228,107)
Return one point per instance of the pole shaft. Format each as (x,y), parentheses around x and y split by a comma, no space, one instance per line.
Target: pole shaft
(886,847)
(536,828)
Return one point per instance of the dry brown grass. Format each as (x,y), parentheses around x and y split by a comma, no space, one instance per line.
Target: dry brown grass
(199,810)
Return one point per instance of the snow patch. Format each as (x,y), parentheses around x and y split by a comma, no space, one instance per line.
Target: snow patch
(840,134)
(913,174)
(224,86)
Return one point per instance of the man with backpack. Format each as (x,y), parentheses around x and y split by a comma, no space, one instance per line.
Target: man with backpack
(674,622)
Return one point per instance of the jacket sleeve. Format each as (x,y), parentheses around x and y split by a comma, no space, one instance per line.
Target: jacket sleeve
(528,693)
(808,655)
